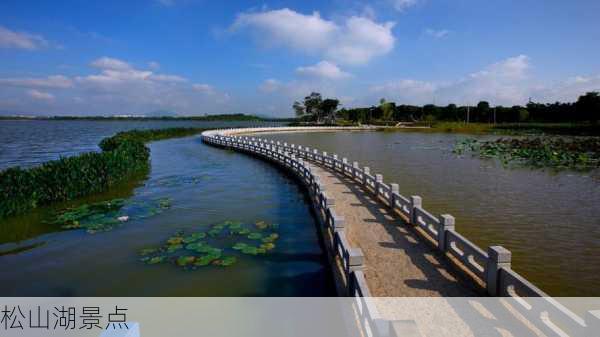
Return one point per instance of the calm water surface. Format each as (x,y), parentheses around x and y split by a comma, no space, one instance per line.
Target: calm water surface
(550,221)
(207,186)
(27,143)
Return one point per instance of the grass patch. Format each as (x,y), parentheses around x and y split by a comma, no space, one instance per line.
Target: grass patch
(122,156)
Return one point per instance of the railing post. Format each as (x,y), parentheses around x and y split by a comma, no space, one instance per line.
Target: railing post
(446,224)
(395,189)
(338,220)
(415,201)
(355,260)
(378,182)
(366,171)
(329,201)
(355,169)
(498,257)
(323,159)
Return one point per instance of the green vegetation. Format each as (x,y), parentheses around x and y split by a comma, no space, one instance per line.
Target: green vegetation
(104,216)
(555,152)
(579,118)
(585,110)
(316,109)
(122,156)
(217,246)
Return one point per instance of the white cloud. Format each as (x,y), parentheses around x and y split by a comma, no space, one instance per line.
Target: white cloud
(55,81)
(21,40)
(40,95)
(568,90)
(167,78)
(506,82)
(270,85)
(437,34)
(110,63)
(356,41)
(204,88)
(116,87)
(323,70)
(402,5)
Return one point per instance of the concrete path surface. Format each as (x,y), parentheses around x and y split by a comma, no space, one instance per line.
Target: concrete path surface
(398,262)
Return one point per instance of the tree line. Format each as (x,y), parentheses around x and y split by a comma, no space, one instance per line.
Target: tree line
(316,109)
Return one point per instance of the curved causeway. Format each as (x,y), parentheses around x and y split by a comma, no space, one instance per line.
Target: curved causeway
(374,245)
(383,244)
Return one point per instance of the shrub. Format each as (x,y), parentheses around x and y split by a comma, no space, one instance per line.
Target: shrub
(72,177)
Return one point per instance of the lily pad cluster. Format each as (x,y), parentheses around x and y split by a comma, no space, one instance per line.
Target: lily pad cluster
(538,152)
(104,216)
(221,245)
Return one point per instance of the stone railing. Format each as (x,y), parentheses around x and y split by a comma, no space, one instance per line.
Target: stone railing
(491,268)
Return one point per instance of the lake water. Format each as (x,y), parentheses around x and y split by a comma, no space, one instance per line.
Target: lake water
(205,185)
(550,221)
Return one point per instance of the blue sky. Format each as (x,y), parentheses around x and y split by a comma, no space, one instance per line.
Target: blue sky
(197,56)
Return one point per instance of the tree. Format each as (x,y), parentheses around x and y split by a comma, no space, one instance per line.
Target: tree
(298,109)
(328,108)
(387,109)
(312,103)
(588,106)
(483,112)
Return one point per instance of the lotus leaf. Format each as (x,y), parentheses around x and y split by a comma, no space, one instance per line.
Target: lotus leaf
(244,231)
(203,260)
(239,246)
(214,232)
(175,240)
(235,225)
(174,248)
(183,261)
(271,238)
(250,250)
(156,259)
(254,236)
(148,251)
(199,235)
(225,261)
(261,225)
(267,246)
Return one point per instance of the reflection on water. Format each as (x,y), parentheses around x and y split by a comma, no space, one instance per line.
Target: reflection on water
(550,221)
(206,186)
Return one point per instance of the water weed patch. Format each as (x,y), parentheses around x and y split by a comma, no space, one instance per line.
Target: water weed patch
(106,215)
(221,245)
(538,152)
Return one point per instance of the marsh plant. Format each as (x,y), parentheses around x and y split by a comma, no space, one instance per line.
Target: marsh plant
(123,156)
(553,152)
(221,245)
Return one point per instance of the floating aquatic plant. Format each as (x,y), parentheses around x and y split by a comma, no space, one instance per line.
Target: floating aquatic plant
(217,246)
(538,152)
(105,215)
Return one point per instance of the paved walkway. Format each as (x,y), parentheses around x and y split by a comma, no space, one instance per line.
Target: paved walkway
(398,262)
